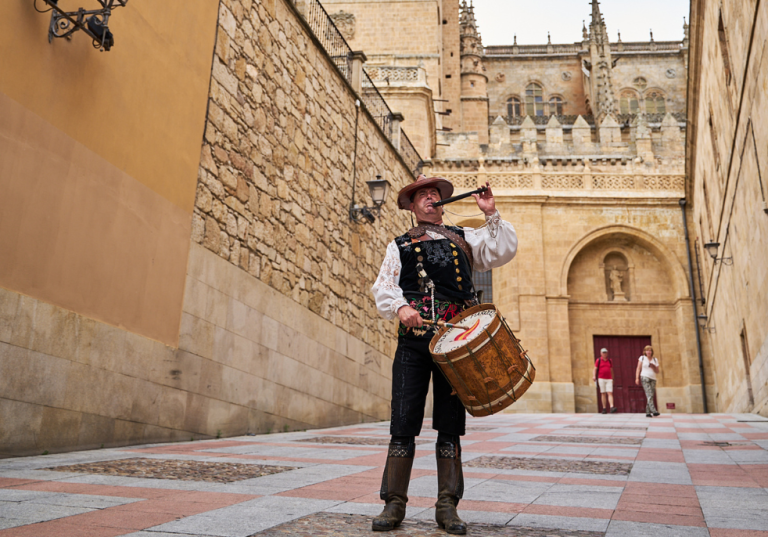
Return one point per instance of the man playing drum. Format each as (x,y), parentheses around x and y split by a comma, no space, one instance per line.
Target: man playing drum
(427,274)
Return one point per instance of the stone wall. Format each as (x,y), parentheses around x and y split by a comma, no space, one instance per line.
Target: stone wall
(275,181)
(278,330)
(727,189)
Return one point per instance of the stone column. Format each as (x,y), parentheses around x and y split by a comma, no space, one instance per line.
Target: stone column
(397,119)
(559,345)
(357,59)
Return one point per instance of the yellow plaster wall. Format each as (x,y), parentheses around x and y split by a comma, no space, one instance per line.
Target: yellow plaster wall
(98,161)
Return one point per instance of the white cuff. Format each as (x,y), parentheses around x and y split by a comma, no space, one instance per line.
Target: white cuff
(397,304)
(493,221)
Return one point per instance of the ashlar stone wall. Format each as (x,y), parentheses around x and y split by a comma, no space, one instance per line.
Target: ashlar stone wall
(276,173)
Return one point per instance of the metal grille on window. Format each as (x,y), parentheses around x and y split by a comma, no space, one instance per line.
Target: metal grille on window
(483,282)
(513,107)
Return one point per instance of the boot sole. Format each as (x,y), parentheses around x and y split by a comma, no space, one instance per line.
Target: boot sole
(384,528)
(452,532)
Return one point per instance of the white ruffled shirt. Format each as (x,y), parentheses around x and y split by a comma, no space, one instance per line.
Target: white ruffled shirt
(493,245)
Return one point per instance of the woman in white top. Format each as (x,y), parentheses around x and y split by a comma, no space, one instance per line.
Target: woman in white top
(647,367)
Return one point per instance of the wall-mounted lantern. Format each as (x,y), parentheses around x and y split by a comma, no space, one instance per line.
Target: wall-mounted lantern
(704,323)
(93,22)
(712,249)
(378,188)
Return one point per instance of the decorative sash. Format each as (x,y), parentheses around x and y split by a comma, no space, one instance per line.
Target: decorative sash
(423,227)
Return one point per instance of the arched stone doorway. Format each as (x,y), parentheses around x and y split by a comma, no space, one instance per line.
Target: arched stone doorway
(623,283)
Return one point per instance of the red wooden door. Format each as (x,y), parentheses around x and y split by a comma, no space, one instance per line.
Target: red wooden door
(624,352)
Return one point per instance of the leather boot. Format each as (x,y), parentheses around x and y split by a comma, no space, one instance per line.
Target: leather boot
(394,486)
(450,487)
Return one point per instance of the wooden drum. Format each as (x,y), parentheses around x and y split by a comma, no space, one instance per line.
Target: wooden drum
(483,360)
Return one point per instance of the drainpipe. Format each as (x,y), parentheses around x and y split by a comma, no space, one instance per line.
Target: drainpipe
(682,203)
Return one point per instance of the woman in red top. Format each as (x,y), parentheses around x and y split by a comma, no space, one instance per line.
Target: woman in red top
(603,374)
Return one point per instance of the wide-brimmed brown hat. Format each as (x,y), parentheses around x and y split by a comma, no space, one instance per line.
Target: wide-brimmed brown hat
(444,186)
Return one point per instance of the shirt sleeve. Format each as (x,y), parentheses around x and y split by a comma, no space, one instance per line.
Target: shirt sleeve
(386,291)
(494,244)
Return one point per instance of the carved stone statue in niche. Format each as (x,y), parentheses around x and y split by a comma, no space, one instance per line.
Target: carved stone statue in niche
(345,22)
(616,277)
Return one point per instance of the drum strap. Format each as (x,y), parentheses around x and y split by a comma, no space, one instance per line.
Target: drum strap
(423,227)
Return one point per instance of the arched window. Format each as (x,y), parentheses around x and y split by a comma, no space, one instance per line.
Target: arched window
(628,103)
(654,103)
(514,107)
(534,103)
(556,106)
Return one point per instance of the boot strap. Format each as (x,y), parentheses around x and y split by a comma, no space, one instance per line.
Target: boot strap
(447,450)
(402,450)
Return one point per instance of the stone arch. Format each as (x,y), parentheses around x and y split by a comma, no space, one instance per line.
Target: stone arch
(507,103)
(655,98)
(533,95)
(656,247)
(629,101)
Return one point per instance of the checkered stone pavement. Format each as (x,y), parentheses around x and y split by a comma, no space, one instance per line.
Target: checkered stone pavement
(525,475)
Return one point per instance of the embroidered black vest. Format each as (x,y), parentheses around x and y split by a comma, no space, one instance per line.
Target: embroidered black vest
(443,261)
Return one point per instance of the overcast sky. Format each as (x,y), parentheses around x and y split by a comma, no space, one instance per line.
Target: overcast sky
(499,20)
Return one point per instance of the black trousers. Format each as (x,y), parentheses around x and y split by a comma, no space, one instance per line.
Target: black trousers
(411,371)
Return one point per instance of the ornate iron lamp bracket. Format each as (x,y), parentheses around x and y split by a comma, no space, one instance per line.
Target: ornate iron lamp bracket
(93,22)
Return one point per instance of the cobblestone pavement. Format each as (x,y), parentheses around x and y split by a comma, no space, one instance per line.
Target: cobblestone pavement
(526,475)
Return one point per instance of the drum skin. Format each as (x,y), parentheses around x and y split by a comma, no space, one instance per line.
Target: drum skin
(489,372)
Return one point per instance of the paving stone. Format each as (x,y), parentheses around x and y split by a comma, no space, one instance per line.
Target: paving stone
(589,440)
(556,465)
(733,499)
(117,481)
(84,500)
(185,470)
(740,522)
(165,534)
(507,491)
(527,448)
(621,528)
(563,449)
(671,473)
(608,427)
(286,453)
(355,440)
(7,523)
(246,518)
(37,512)
(751,456)
(561,522)
(706,456)
(14,495)
(369,509)
(337,525)
(580,496)
(470,517)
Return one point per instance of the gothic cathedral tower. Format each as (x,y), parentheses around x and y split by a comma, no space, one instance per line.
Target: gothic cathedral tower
(474,92)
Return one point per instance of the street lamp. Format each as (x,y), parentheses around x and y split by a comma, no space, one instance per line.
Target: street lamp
(378,188)
(704,323)
(712,248)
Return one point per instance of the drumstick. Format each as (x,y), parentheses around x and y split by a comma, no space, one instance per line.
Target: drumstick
(443,323)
